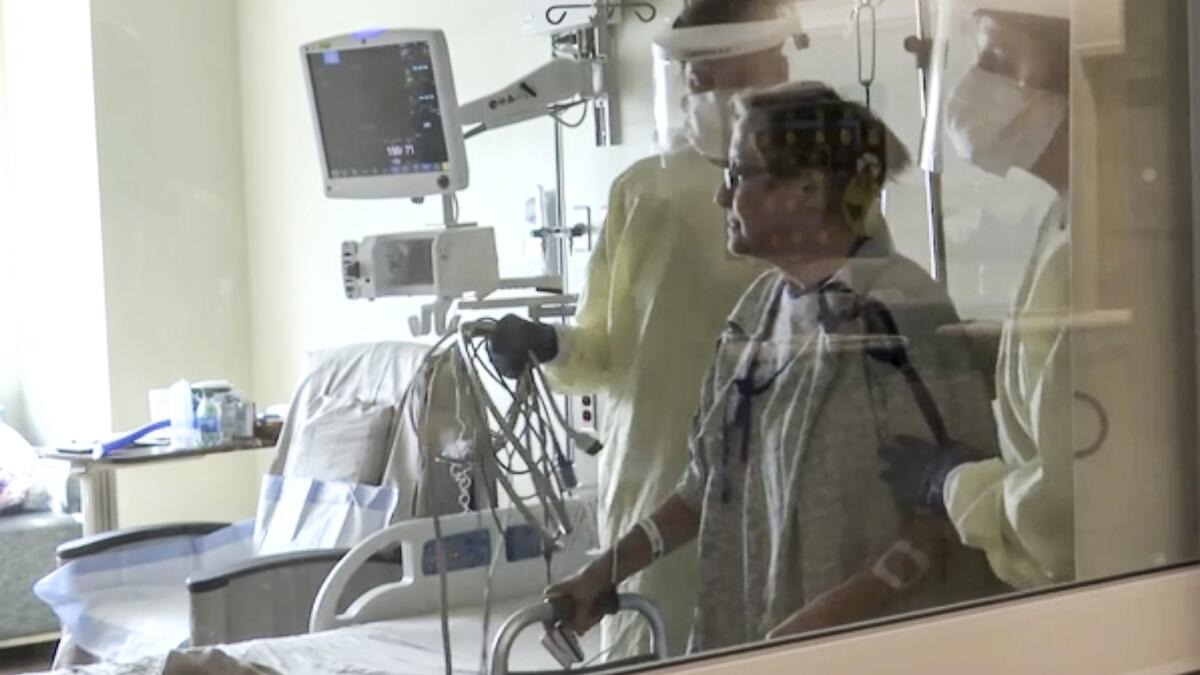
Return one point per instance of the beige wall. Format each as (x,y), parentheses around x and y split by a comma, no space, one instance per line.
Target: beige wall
(168,109)
(138,240)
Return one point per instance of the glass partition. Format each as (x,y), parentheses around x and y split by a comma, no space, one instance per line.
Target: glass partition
(756,320)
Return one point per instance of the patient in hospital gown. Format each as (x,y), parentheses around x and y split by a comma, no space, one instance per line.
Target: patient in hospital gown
(785,466)
(825,357)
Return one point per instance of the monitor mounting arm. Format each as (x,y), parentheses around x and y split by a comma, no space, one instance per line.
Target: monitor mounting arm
(583,70)
(556,85)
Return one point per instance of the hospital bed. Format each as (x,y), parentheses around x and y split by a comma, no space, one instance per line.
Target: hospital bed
(495,573)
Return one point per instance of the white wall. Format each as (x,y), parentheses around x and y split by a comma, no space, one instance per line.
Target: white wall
(168,109)
(54,219)
(9,365)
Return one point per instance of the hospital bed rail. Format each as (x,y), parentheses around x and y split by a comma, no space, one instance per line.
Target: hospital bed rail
(471,541)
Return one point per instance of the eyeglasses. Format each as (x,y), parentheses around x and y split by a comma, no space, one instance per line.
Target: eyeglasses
(735,174)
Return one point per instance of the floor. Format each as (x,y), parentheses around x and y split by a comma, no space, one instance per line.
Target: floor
(26,659)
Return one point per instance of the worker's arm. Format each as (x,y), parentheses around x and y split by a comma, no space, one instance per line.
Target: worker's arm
(1019,509)
(1020,513)
(577,357)
(677,523)
(583,363)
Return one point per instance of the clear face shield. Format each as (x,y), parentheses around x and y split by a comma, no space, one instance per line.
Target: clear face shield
(997,104)
(998,84)
(697,72)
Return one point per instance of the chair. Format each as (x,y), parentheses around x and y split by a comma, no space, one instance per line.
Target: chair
(352,397)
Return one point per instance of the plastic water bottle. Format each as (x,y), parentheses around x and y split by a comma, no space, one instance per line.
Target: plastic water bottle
(183,416)
(208,421)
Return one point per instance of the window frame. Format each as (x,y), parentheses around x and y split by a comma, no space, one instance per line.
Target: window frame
(1145,623)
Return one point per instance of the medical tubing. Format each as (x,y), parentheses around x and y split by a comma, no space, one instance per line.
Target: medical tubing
(486,619)
(928,405)
(443,591)
(573,433)
(528,411)
(556,115)
(518,415)
(900,359)
(554,455)
(440,551)
(481,398)
(539,479)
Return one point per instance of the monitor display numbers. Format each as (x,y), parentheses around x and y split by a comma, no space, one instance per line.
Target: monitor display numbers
(379,111)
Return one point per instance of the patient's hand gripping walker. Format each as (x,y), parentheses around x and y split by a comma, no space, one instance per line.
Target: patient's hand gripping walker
(554,611)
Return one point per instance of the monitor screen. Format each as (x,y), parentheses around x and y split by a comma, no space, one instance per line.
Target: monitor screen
(409,263)
(379,111)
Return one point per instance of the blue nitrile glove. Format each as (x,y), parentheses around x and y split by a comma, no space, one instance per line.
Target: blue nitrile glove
(514,339)
(917,470)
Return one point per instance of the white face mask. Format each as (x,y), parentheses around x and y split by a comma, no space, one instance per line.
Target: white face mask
(997,125)
(709,126)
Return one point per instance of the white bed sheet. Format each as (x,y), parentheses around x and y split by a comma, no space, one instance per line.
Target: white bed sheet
(411,646)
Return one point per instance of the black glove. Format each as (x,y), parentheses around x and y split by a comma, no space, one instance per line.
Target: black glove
(515,339)
(917,470)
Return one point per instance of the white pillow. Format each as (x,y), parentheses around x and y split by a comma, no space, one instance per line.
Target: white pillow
(343,440)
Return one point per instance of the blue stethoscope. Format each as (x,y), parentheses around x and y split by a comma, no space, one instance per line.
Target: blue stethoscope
(878,321)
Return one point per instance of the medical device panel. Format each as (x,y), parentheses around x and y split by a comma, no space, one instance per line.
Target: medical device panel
(386,115)
(438,262)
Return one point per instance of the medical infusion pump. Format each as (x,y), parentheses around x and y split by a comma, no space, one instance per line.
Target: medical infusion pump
(443,263)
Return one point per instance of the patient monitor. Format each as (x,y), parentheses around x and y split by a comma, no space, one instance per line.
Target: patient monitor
(386,115)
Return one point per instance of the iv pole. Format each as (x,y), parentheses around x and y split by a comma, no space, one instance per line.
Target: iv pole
(921,48)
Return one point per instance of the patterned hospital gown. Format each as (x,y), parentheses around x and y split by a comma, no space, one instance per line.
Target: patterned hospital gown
(788,485)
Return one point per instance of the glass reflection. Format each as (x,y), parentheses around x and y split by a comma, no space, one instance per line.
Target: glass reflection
(807,422)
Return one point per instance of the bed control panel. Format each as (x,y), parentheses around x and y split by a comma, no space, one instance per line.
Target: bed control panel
(463,552)
(522,542)
(470,550)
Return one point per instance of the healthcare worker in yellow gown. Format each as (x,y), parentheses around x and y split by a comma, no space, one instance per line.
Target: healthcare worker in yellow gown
(1011,112)
(660,286)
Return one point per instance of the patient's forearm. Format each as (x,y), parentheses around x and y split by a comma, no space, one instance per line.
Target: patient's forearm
(677,523)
